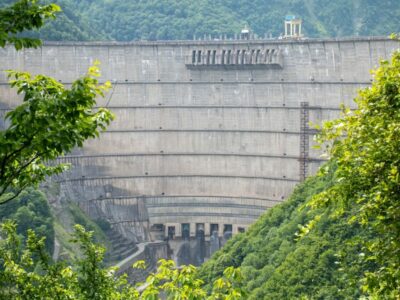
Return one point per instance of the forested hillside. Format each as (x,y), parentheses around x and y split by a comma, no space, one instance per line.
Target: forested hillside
(70,24)
(277,264)
(31,211)
(172,19)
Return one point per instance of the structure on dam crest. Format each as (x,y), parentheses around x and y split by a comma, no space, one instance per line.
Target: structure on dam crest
(208,134)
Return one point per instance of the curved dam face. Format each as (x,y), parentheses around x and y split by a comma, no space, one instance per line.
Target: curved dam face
(208,134)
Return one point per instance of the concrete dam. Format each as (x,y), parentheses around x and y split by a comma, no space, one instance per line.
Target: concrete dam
(208,134)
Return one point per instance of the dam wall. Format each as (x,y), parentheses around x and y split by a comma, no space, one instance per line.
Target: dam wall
(208,134)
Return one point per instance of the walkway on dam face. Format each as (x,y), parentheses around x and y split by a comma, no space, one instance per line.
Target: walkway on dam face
(123,264)
(126,264)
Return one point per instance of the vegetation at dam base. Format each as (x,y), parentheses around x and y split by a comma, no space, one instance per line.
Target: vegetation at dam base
(30,274)
(278,263)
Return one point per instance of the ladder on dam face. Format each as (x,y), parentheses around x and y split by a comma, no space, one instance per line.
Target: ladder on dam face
(304,139)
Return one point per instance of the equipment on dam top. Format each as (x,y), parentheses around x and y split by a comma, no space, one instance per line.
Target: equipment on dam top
(245,33)
(293,27)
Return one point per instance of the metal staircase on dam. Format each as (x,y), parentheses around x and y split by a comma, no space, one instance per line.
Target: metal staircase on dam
(121,247)
(304,140)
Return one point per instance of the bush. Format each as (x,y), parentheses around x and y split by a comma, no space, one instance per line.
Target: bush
(30,275)
(30,210)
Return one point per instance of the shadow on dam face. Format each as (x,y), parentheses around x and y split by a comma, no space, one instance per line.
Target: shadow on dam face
(195,250)
(208,134)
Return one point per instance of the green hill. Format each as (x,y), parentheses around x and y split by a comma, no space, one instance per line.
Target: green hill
(173,19)
(70,24)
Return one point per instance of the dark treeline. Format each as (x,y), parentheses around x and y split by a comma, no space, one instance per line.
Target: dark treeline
(172,19)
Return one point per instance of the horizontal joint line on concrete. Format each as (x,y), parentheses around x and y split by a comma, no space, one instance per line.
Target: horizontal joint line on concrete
(178,176)
(128,221)
(283,107)
(183,196)
(311,132)
(241,82)
(274,41)
(60,159)
(199,204)
(156,82)
(205,214)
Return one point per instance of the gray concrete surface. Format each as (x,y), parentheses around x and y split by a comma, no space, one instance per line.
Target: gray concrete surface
(197,141)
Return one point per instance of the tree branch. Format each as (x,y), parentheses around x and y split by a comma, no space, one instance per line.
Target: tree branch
(14,196)
(10,155)
(17,173)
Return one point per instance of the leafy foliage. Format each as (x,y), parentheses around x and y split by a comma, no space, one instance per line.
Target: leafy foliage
(277,263)
(30,210)
(23,15)
(51,121)
(30,275)
(366,145)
